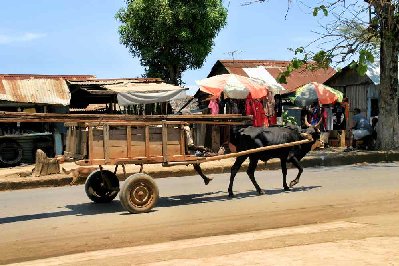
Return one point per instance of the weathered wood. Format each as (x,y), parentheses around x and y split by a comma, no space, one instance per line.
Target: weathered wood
(91,138)
(106,143)
(182,142)
(164,141)
(242,153)
(103,118)
(147,141)
(44,165)
(129,142)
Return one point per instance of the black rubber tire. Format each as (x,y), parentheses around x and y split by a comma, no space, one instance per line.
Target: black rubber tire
(96,187)
(139,193)
(10,153)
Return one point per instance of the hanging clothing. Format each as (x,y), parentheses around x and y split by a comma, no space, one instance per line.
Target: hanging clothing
(255,108)
(214,106)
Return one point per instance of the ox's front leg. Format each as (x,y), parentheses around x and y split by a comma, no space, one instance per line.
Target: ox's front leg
(295,162)
(283,163)
(253,162)
(234,169)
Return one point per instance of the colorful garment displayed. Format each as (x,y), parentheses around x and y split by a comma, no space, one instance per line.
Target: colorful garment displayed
(214,106)
(255,108)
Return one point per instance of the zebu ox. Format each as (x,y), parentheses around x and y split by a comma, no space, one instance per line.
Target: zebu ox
(255,137)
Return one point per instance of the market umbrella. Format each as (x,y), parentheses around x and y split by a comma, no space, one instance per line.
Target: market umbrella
(315,92)
(233,86)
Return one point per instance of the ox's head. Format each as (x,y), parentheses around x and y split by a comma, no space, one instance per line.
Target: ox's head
(312,134)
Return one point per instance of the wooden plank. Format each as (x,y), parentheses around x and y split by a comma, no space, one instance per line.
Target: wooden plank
(117,152)
(97,153)
(129,141)
(138,151)
(106,143)
(96,119)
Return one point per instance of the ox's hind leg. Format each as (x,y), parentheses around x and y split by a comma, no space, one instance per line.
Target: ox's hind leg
(253,162)
(234,169)
(283,163)
(295,162)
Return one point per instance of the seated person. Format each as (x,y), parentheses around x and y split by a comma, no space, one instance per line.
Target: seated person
(361,128)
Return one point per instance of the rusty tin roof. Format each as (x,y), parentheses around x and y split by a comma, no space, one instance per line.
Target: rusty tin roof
(274,67)
(38,89)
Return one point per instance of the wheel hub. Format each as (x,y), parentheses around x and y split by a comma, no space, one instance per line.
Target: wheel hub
(140,195)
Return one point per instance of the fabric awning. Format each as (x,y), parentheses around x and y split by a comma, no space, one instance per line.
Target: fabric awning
(133,97)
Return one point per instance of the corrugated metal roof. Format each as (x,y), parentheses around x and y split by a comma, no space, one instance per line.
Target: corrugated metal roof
(101,82)
(275,68)
(38,76)
(34,90)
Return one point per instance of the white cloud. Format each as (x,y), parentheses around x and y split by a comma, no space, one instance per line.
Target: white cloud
(26,37)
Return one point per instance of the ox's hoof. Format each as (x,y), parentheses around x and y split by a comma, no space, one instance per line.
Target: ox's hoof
(287,188)
(207,180)
(231,195)
(294,182)
(260,192)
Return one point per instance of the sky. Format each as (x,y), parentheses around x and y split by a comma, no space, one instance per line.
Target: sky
(81,37)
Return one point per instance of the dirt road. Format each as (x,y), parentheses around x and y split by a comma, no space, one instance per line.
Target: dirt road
(335,215)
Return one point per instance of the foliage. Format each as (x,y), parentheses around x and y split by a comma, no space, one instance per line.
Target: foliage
(363,29)
(288,119)
(170,36)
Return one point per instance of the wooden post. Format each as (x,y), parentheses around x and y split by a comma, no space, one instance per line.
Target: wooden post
(106,143)
(164,141)
(343,138)
(91,138)
(147,141)
(182,141)
(129,141)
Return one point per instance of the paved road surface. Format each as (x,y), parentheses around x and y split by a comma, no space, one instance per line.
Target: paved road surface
(335,215)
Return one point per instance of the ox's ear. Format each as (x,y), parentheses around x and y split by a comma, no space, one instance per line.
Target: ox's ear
(307,136)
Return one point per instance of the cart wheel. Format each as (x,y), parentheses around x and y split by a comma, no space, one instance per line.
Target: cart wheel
(102,186)
(139,193)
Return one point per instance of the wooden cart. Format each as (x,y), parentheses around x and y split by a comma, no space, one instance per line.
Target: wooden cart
(120,140)
(146,140)
(120,143)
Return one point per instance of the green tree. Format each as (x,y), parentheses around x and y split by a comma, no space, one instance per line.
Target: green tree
(358,28)
(170,36)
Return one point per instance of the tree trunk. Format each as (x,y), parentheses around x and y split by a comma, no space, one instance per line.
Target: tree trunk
(388,119)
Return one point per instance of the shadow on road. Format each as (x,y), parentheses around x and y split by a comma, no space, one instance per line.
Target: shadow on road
(190,199)
(74,210)
(86,209)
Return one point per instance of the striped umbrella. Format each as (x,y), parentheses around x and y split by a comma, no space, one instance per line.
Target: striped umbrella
(315,92)
(233,86)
